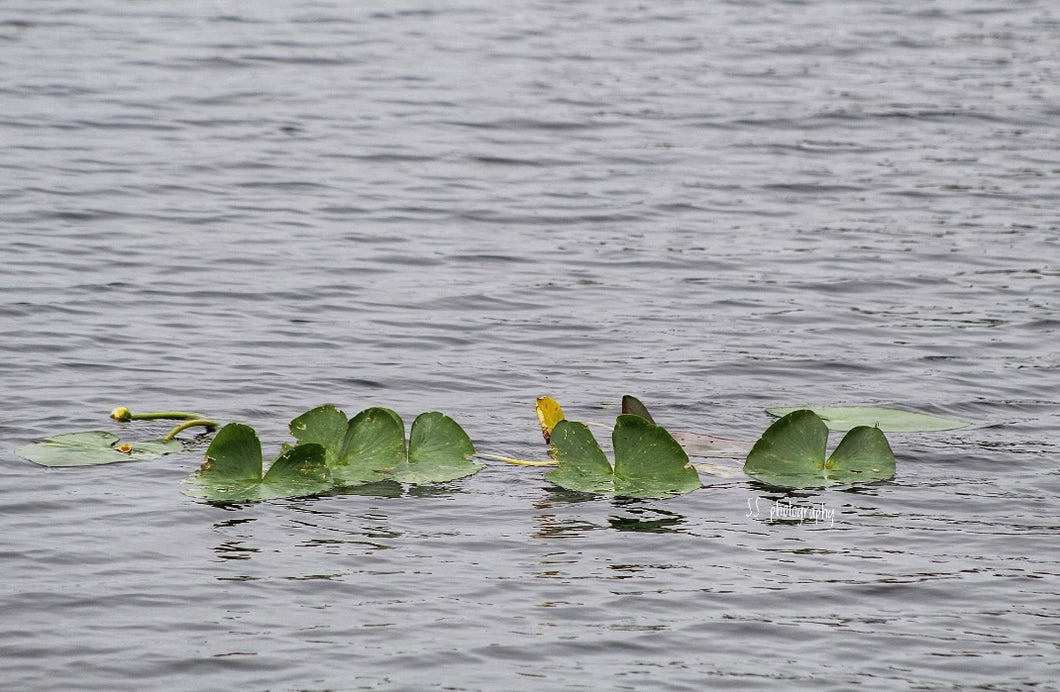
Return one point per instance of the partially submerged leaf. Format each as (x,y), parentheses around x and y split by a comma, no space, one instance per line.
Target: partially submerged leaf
(232,471)
(324,425)
(698,445)
(549,413)
(844,418)
(371,447)
(633,406)
(439,451)
(375,440)
(862,455)
(94,447)
(648,461)
(583,466)
(791,454)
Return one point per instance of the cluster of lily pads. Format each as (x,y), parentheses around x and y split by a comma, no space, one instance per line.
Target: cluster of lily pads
(332,451)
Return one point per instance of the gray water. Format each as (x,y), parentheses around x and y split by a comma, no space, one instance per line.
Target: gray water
(253,208)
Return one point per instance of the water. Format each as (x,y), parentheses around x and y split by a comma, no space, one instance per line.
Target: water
(253,208)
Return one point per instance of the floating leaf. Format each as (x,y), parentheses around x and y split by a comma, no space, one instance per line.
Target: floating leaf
(648,461)
(583,466)
(549,412)
(439,451)
(233,469)
(374,443)
(699,445)
(844,418)
(324,425)
(370,447)
(791,454)
(94,447)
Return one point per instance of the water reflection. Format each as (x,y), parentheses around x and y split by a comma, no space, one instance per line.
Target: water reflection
(633,515)
(234,548)
(649,520)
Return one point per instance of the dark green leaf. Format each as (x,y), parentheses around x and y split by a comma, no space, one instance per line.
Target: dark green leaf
(439,451)
(632,405)
(862,455)
(233,455)
(648,461)
(375,439)
(371,447)
(791,454)
(232,471)
(324,425)
(583,466)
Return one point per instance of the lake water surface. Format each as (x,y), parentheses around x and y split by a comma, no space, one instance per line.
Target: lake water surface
(253,208)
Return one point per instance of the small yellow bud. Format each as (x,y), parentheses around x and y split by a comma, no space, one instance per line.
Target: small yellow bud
(121,413)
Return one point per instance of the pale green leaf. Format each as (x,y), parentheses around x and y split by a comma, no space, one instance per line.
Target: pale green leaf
(844,418)
(93,447)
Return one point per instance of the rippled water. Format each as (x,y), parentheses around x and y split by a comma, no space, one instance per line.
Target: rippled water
(253,208)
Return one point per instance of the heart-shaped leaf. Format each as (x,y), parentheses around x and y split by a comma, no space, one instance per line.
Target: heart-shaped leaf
(94,447)
(324,425)
(375,440)
(371,446)
(791,454)
(844,418)
(232,471)
(648,461)
(439,451)
(356,449)
(583,466)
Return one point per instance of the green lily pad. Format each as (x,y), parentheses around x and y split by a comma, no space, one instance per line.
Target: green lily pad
(439,451)
(648,461)
(844,418)
(94,447)
(233,469)
(791,454)
(371,447)
(324,425)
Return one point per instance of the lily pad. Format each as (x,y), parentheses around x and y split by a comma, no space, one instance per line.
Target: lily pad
(94,447)
(233,469)
(844,418)
(371,447)
(791,454)
(648,461)
(439,451)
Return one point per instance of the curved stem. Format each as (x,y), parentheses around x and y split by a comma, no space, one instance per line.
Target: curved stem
(199,422)
(518,462)
(123,414)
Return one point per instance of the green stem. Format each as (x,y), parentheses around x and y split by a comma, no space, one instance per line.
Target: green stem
(123,414)
(199,422)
